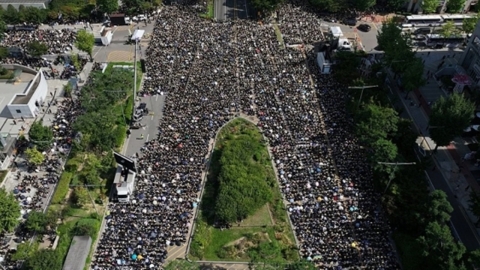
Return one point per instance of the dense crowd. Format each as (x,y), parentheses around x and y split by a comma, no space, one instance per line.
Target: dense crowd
(212,72)
(57,41)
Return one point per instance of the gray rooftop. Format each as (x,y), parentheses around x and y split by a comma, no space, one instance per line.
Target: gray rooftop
(78,253)
(7,92)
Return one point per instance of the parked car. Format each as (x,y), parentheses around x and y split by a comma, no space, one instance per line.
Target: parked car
(350,21)
(364,27)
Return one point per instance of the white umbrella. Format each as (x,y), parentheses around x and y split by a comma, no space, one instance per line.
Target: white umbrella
(476,127)
(468,129)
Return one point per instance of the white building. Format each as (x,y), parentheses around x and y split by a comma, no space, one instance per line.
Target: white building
(20,97)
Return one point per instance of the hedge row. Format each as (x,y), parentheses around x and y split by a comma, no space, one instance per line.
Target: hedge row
(62,187)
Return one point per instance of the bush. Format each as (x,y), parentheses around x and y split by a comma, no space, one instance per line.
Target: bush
(87,226)
(129,108)
(62,188)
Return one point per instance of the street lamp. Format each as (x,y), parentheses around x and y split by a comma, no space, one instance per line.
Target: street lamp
(363,88)
(396,164)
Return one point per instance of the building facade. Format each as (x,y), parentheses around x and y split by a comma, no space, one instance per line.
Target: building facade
(470,59)
(43,4)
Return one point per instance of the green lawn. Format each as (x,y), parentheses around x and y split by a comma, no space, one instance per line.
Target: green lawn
(210,10)
(408,249)
(139,69)
(260,218)
(234,244)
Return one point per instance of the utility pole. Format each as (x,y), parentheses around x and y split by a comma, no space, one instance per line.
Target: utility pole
(396,164)
(363,88)
(135,78)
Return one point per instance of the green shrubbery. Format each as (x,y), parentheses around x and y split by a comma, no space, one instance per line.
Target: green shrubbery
(243,180)
(62,187)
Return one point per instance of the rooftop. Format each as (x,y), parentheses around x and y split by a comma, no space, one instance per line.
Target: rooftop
(78,253)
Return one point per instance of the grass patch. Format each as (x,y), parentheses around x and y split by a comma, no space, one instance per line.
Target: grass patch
(408,249)
(139,69)
(279,35)
(267,226)
(210,13)
(3,174)
(8,76)
(259,219)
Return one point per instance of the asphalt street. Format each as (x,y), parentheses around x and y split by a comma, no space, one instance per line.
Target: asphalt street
(155,106)
(367,39)
(462,227)
(231,9)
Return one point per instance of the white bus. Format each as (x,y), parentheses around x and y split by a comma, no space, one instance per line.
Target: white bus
(456,18)
(423,19)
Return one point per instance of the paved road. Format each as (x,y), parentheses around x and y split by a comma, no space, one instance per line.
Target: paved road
(231,9)
(155,105)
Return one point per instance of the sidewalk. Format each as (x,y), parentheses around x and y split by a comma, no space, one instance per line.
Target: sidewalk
(448,160)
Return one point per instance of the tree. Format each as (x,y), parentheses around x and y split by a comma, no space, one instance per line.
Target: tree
(182,265)
(35,15)
(395,5)
(266,6)
(44,259)
(24,251)
(108,6)
(383,151)
(80,196)
(474,257)
(455,6)
(412,77)
(330,5)
(3,52)
(430,6)
(34,156)
(448,29)
(363,5)
(469,23)
(85,42)
(11,15)
(439,208)
(440,248)
(36,49)
(396,46)
(40,135)
(449,117)
(301,265)
(376,122)
(36,222)
(474,205)
(244,182)
(9,211)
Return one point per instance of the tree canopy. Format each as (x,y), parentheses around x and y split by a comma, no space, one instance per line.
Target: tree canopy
(449,29)
(440,249)
(105,109)
(9,211)
(40,135)
(108,6)
(36,48)
(429,6)
(34,156)
(375,122)
(455,6)
(439,208)
(449,117)
(330,5)
(85,42)
(469,23)
(243,182)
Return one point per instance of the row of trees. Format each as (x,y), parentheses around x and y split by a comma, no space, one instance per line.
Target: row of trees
(453,6)
(416,213)
(340,6)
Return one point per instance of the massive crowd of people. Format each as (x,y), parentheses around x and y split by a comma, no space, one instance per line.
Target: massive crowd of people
(59,42)
(210,73)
